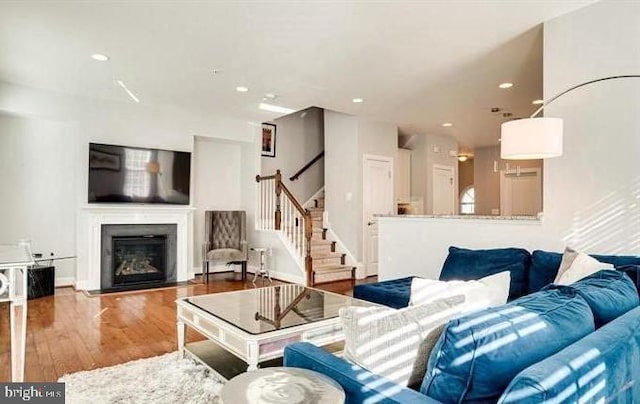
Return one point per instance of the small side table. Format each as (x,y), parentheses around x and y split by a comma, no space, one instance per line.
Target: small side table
(282,385)
(263,271)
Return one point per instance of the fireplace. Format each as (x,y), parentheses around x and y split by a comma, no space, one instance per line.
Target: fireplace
(138,259)
(137,256)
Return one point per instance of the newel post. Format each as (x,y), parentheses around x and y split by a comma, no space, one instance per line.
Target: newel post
(308,233)
(278,214)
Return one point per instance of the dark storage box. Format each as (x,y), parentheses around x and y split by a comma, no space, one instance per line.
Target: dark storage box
(41,281)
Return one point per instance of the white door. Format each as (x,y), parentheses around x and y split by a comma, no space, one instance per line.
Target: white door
(443,190)
(521,192)
(377,198)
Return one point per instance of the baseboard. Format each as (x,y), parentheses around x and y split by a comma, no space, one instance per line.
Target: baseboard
(281,276)
(65,281)
(291,278)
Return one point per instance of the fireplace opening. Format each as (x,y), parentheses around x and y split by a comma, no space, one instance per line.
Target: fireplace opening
(138,256)
(139,259)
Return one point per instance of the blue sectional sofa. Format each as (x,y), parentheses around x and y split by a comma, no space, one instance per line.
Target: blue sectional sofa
(529,272)
(578,343)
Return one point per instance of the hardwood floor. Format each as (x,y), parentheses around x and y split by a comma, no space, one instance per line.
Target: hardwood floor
(70,331)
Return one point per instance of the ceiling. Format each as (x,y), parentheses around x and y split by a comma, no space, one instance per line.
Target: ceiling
(416,64)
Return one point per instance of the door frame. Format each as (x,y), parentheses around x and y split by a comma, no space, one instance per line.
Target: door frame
(453,187)
(503,178)
(364,225)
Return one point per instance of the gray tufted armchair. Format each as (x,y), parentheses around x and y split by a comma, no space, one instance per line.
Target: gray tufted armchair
(225,239)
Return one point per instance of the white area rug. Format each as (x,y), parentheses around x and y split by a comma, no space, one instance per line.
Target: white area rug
(159,380)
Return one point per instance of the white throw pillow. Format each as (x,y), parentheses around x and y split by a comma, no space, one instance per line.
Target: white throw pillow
(582,266)
(492,290)
(499,287)
(396,344)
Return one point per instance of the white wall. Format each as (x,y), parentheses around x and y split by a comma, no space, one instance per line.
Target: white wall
(87,120)
(342,169)
(299,138)
(347,139)
(592,192)
(37,188)
(216,177)
(423,158)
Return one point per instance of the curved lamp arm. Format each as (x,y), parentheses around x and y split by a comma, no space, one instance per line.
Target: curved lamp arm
(552,99)
(539,137)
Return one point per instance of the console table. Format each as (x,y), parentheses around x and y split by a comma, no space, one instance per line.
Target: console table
(14,261)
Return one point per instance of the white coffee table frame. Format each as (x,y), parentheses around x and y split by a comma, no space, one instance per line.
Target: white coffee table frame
(252,348)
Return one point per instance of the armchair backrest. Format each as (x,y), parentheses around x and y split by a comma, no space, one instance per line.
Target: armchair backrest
(225,229)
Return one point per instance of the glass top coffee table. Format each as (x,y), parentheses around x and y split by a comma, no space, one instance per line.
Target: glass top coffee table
(256,324)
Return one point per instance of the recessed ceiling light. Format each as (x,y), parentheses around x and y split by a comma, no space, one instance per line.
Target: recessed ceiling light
(100,57)
(537,102)
(275,108)
(357,100)
(242,89)
(506,85)
(447,124)
(462,158)
(269,96)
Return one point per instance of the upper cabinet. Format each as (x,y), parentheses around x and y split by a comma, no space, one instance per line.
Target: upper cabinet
(403,176)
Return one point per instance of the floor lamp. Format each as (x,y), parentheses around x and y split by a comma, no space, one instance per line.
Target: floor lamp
(539,137)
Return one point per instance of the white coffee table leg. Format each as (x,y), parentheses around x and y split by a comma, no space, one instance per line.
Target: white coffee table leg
(181,331)
(252,356)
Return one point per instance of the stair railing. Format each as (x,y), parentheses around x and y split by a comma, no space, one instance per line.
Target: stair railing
(306,166)
(279,210)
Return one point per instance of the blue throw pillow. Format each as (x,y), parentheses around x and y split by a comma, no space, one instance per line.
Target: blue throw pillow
(479,354)
(544,266)
(609,293)
(633,272)
(463,264)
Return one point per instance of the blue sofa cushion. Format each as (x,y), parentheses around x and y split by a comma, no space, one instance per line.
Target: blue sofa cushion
(544,266)
(609,293)
(463,264)
(601,367)
(477,355)
(394,293)
(360,385)
(633,272)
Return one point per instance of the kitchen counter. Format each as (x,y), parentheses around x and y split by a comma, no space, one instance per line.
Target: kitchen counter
(466,217)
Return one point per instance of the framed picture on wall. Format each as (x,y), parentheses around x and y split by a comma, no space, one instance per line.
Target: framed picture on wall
(268,140)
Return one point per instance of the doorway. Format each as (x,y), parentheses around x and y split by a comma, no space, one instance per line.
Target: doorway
(377,198)
(521,192)
(443,190)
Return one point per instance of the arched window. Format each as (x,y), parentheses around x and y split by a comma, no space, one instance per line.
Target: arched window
(468,201)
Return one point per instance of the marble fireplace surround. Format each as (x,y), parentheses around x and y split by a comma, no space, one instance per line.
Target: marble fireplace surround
(94,216)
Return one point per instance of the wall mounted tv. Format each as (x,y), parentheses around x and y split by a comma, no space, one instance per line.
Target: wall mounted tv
(122,174)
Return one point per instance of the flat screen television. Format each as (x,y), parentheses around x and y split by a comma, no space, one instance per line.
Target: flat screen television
(122,174)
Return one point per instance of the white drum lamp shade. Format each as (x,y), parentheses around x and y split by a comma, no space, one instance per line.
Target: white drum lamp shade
(531,138)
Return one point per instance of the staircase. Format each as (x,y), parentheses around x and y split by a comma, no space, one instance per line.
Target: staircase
(302,231)
(328,265)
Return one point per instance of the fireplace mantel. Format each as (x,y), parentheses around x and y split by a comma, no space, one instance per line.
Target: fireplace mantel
(93,216)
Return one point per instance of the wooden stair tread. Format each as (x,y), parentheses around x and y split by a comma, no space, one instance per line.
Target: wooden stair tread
(315,242)
(323,255)
(332,268)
